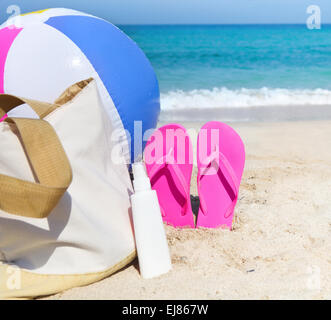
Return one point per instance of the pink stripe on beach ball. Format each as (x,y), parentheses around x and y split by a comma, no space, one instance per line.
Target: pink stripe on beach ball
(7,37)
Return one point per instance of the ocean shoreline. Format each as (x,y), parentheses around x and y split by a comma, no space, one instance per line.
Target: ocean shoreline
(250,114)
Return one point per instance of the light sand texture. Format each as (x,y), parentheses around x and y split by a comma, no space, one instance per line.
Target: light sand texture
(280,247)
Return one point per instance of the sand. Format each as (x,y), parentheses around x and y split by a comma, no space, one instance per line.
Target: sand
(280,247)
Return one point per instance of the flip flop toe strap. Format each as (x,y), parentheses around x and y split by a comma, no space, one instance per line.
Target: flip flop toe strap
(218,161)
(168,162)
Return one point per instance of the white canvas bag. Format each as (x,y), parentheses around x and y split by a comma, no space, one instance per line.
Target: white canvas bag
(88,234)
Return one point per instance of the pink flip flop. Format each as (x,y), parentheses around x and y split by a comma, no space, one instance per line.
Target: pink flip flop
(169,162)
(221,161)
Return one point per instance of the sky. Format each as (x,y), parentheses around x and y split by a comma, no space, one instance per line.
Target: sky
(183,11)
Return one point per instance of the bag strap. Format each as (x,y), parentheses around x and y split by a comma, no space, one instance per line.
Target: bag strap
(47,159)
(9,102)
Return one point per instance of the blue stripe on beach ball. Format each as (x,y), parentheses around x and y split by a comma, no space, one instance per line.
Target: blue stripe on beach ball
(122,66)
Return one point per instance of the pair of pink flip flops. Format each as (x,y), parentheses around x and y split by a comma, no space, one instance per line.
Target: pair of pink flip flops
(220,159)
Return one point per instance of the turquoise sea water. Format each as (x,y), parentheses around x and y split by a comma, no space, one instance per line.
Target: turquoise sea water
(221,66)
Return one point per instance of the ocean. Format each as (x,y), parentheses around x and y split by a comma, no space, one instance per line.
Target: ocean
(239,68)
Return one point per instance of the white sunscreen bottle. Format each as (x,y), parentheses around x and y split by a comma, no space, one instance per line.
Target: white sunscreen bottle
(152,246)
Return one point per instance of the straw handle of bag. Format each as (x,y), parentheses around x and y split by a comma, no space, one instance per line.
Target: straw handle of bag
(47,159)
(9,102)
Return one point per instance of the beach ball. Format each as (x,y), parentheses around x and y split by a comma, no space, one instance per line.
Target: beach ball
(43,53)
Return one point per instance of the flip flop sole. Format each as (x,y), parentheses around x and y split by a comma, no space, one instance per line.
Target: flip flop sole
(171,179)
(218,189)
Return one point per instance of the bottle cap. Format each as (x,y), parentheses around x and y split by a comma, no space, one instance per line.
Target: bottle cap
(141,181)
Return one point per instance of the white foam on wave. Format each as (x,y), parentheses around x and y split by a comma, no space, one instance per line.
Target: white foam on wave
(242,98)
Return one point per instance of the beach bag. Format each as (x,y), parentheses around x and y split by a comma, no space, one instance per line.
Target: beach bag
(65,213)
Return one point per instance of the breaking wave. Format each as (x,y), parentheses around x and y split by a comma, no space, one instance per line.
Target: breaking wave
(242,98)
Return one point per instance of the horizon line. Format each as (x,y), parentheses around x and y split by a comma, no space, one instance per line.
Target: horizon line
(217,24)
